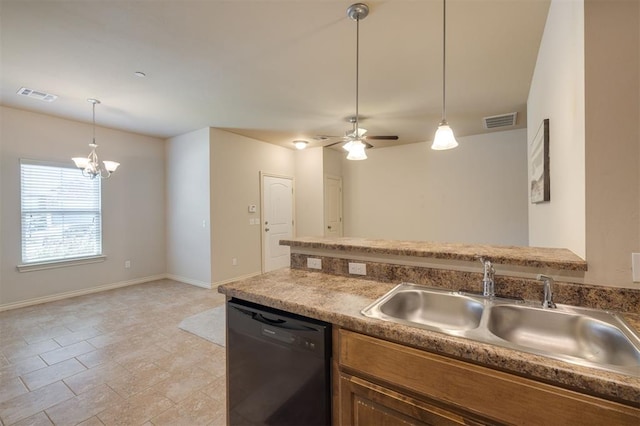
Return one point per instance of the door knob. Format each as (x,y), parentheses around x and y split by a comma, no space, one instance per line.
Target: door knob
(329,227)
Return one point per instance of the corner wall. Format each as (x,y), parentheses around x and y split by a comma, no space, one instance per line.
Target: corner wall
(309,212)
(557,93)
(188,208)
(612,75)
(236,162)
(132,206)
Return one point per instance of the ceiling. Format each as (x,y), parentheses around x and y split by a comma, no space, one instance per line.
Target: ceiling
(271,70)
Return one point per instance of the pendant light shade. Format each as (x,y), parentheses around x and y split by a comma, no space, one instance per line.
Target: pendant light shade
(444,138)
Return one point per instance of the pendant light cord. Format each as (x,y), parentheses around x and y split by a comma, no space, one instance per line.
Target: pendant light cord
(444,60)
(357,72)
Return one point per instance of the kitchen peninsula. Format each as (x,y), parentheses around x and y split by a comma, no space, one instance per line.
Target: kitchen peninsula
(400,370)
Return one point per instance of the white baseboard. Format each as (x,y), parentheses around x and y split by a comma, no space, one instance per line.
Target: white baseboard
(185,280)
(68,294)
(75,293)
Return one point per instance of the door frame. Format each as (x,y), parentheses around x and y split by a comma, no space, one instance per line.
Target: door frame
(293,212)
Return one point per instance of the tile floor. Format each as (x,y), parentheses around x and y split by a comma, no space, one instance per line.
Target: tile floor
(112,358)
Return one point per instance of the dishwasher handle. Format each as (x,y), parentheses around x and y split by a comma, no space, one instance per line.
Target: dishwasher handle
(263,318)
(277,322)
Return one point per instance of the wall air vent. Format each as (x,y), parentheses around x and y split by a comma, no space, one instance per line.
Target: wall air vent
(35,94)
(502,120)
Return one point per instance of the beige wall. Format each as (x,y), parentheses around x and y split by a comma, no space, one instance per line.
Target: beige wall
(132,202)
(188,208)
(589,60)
(236,163)
(475,193)
(612,76)
(332,162)
(557,93)
(309,212)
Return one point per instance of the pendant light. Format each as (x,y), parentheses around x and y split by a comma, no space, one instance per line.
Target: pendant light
(444,138)
(90,165)
(356,147)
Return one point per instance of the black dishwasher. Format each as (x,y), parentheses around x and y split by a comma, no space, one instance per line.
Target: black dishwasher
(278,367)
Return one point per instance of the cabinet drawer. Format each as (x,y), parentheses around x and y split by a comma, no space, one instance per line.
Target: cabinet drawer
(474,389)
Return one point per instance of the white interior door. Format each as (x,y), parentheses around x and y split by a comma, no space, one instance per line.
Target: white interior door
(332,206)
(277,221)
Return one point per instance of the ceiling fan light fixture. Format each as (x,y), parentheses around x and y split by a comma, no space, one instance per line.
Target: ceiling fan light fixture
(300,144)
(356,150)
(360,132)
(444,138)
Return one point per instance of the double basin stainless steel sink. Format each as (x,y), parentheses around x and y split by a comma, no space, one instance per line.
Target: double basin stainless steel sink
(583,336)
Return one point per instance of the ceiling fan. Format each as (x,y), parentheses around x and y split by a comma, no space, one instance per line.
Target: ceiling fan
(356,139)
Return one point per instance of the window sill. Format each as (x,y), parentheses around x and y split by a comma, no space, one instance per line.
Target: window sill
(40,266)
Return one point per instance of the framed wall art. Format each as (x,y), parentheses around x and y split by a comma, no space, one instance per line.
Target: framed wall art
(539,164)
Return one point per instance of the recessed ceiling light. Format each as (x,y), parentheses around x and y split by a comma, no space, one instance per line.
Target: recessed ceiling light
(139,74)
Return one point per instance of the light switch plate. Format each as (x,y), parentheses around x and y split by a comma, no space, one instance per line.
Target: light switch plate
(314,263)
(635,267)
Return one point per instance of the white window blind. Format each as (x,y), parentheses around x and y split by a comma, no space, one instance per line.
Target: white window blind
(61,215)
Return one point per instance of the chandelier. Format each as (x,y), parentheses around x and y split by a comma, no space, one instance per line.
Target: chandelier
(90,165)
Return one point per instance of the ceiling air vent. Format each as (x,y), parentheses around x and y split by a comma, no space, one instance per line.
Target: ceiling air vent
(34,94)
(502,120)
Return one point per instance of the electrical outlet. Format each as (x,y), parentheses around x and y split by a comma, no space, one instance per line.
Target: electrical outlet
(314,263)
(234,261)
(358,268)
(127,264)
(635,267)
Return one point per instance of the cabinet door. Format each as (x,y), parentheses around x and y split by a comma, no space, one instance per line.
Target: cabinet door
(363,404)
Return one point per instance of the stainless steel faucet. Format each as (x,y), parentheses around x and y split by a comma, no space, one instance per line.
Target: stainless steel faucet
(547,301)
(488,282)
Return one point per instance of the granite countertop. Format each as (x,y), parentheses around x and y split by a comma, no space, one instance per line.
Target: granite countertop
(535,257)
(338,300)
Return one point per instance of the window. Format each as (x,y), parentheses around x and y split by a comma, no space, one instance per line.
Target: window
(61,216)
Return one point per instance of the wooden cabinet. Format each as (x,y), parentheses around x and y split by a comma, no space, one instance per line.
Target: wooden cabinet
(365,404)
(377,382)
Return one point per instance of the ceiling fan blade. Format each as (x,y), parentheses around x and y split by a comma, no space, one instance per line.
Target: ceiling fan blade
(368,145)
(332,144)
(383,138)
